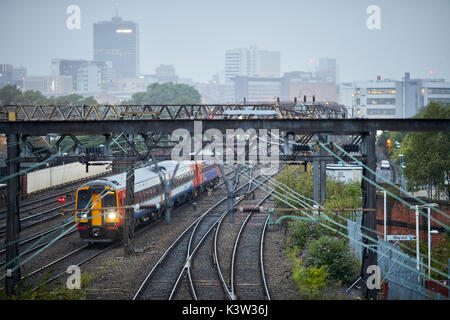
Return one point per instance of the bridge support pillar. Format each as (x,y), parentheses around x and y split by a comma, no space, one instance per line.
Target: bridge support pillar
(323,172)
(316,179)
(369,219)
(12,218)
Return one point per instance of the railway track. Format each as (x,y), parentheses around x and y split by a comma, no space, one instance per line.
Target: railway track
(37,203)
(248,257)
(39,240)
(37,218)
(208,279)
(164,279)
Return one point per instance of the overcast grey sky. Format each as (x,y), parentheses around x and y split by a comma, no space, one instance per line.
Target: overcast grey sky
(193,35)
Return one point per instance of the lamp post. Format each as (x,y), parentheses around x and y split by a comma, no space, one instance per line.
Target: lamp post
(428,206)
(435,205)
(417,244)
(429,249)
(384,214)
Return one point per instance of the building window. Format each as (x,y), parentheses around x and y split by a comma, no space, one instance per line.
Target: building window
(358,91)
(388,101)
(381,91)
(443,100)
(380,112)
(438,90)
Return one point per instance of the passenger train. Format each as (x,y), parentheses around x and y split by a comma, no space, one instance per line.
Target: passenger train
(97,224)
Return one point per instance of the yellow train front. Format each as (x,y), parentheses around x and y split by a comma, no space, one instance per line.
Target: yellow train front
(98,216)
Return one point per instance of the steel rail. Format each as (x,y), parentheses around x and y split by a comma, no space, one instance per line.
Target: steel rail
(190,256)
(174,244)
(261,259)
(236,244)
(37,215)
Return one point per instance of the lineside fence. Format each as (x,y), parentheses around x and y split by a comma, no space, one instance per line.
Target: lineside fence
(398,280)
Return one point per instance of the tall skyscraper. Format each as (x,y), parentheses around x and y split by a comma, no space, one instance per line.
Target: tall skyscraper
(236,63)
(263,63)
(247,63)
(118,41)
(252,62)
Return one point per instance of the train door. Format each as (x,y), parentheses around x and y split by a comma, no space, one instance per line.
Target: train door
(96,215)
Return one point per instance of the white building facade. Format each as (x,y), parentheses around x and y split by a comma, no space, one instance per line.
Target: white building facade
(392,98)
(89,78)
(249,62)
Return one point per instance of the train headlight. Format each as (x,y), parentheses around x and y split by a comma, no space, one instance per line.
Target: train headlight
(84,216)
(111,215)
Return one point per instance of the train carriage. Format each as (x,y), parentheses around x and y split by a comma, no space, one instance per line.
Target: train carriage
(100,203)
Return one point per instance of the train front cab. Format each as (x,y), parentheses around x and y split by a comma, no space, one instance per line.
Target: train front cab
(97,214)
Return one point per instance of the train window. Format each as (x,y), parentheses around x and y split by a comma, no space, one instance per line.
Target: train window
(109,200)
(84,199)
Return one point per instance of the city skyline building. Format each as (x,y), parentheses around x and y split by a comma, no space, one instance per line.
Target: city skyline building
(62,84)
(67,67)
(166,73)
(263,63)
(249,63)
(89,78)
(18,74)
(385,98)
(42,84)
(326,70)
(6,71)
(117,41)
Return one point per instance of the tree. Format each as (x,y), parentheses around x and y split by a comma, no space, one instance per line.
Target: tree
(166,93)
(8,94)
(72,99)
(427,154)
(12,95)
(31,97)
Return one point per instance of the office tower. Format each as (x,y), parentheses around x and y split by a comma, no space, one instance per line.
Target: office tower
(117,41)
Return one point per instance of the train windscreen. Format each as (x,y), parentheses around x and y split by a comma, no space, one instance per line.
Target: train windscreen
(109,200)
(84,199)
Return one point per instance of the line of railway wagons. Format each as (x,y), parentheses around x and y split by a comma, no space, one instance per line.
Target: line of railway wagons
(100,204)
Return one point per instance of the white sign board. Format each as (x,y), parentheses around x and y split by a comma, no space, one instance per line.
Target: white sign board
(400,237)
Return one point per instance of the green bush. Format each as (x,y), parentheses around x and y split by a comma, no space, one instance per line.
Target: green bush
(297,179)
(311,281)
(334,253)
(343,195)
(48,292)
(305,231)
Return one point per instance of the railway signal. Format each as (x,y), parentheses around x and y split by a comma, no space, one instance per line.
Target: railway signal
(62,199)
